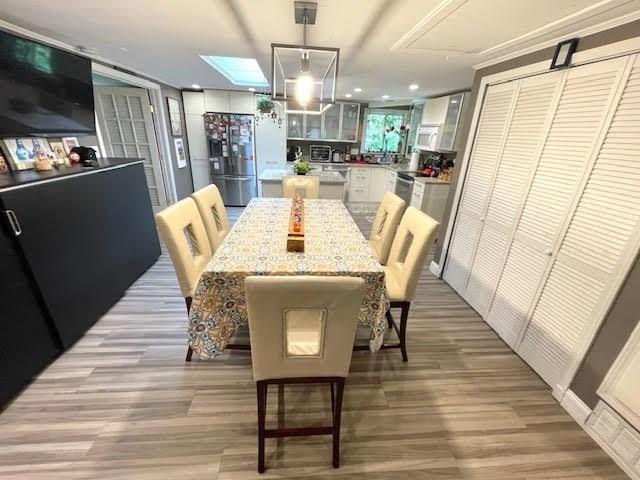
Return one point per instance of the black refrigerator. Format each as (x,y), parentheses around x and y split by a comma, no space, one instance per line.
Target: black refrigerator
(232,163)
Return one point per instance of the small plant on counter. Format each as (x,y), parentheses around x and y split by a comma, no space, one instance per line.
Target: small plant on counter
(300,167)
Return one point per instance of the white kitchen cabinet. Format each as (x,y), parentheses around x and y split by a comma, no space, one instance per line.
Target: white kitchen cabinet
(216,101)
(339,123)
(359,184)
(431,198)
(450,124)
(350,122)
(435,110)
(193,103)
(313,127)
(331,120)
(391,181)
(378,184)
(242,102)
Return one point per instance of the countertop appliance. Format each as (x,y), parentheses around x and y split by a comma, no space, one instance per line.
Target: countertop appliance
(232,163)
(320,153)
(404,184)
(337,156)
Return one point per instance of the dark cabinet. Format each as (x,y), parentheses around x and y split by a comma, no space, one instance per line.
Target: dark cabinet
(27,341)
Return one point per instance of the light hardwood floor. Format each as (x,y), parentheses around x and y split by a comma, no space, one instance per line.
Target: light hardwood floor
(123,404)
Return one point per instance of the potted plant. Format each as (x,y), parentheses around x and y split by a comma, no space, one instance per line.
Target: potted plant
(300,167)
(264,104)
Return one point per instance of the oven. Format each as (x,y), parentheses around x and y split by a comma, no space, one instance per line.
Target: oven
(320,153)
(404,187)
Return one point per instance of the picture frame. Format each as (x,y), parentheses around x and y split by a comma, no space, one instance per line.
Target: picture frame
(564,52)
(69,143)
(57,147)
(23,152)
(175,117)
(4,165)
(181,156)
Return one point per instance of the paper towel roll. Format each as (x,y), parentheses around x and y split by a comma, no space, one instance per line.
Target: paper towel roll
(415,158)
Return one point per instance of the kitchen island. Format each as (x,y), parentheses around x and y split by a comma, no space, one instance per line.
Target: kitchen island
(332,184)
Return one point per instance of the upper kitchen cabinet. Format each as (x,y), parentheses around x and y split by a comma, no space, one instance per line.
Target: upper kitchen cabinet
(448,134)
(339,123)
(193,103)
(241,102)
(350,121)
(331,122)
(216,101)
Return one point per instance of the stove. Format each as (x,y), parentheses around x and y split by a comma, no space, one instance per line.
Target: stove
(404,184)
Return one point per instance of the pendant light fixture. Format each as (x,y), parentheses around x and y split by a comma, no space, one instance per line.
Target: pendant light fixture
(304,77)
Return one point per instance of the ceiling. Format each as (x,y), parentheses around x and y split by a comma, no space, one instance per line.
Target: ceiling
(385,45)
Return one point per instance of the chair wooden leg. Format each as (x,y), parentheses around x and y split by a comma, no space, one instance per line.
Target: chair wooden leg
(389,319)
(187,301)
(403,330)
(189,354)
(333,399)
(261,390)
(336,421)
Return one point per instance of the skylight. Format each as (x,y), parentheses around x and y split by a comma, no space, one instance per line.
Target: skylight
(239,71)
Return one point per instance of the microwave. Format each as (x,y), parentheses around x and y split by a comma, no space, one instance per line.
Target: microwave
(320,153)
(428,137)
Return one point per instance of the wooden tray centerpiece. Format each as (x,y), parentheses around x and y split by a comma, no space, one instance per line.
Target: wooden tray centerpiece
(295,237)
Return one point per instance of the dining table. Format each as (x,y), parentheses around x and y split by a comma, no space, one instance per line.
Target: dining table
(257,245)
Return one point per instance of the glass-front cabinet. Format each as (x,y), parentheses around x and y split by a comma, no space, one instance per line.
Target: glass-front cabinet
(331,122)
(350,117)
(340,122)
(448,135)
(295,125)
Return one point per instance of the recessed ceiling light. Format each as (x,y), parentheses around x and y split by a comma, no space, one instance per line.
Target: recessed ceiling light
(414,87)
(238,70)
(385,96)
(357,89)
(195,85)
(347,95)
(251,89)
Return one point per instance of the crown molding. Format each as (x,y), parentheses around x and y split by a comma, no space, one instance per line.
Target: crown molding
(600,27)
(12,28)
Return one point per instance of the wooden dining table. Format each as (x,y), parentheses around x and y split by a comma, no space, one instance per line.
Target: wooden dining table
(256,245)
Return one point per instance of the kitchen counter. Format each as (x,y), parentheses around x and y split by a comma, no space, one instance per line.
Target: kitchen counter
(325,176)
(431,181)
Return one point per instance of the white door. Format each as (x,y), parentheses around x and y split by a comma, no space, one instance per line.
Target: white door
(126,123)
(486,151)
(601,231)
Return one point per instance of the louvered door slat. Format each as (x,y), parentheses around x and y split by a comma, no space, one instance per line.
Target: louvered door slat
(485,153)
(597,236)
(511,181)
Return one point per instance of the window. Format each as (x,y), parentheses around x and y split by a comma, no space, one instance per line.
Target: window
(382,131)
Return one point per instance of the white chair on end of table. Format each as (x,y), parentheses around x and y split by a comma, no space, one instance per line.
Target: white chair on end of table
(302,331)
(306,185)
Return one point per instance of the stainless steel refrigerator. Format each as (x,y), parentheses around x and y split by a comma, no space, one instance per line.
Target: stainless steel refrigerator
(232,161)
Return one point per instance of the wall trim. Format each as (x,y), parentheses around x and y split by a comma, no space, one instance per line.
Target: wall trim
(575,407)
(600,27)
(435,269)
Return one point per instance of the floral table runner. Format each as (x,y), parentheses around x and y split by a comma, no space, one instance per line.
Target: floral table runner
(256,245)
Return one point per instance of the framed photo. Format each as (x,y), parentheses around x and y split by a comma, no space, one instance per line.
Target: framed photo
(175,119)
(69,143)
(4,166)
(564,52)
(22,152)
(180,155)
(57,147)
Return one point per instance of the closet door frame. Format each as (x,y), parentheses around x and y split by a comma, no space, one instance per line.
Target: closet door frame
(617,49)
(606,299)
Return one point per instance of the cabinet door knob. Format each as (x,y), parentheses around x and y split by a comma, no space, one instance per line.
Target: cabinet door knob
(13,221)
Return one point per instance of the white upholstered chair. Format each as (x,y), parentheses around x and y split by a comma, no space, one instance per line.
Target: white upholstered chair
(414,238)
(183,232)
(306,185)
(213,213)
(385,225)
(302,331)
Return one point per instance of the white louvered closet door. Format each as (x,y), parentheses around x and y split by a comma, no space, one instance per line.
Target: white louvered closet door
(601,234)
(489,141)
(536,101)
(577,121)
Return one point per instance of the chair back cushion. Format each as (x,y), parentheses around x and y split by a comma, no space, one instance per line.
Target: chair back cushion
(414,238)
(302,326)
(213,213)
(183,232)
(385,225)
(306,185)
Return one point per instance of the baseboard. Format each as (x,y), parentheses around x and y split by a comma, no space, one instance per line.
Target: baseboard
(435,269)
(575,407)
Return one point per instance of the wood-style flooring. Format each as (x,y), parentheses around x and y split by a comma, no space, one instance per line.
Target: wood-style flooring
(123,404)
